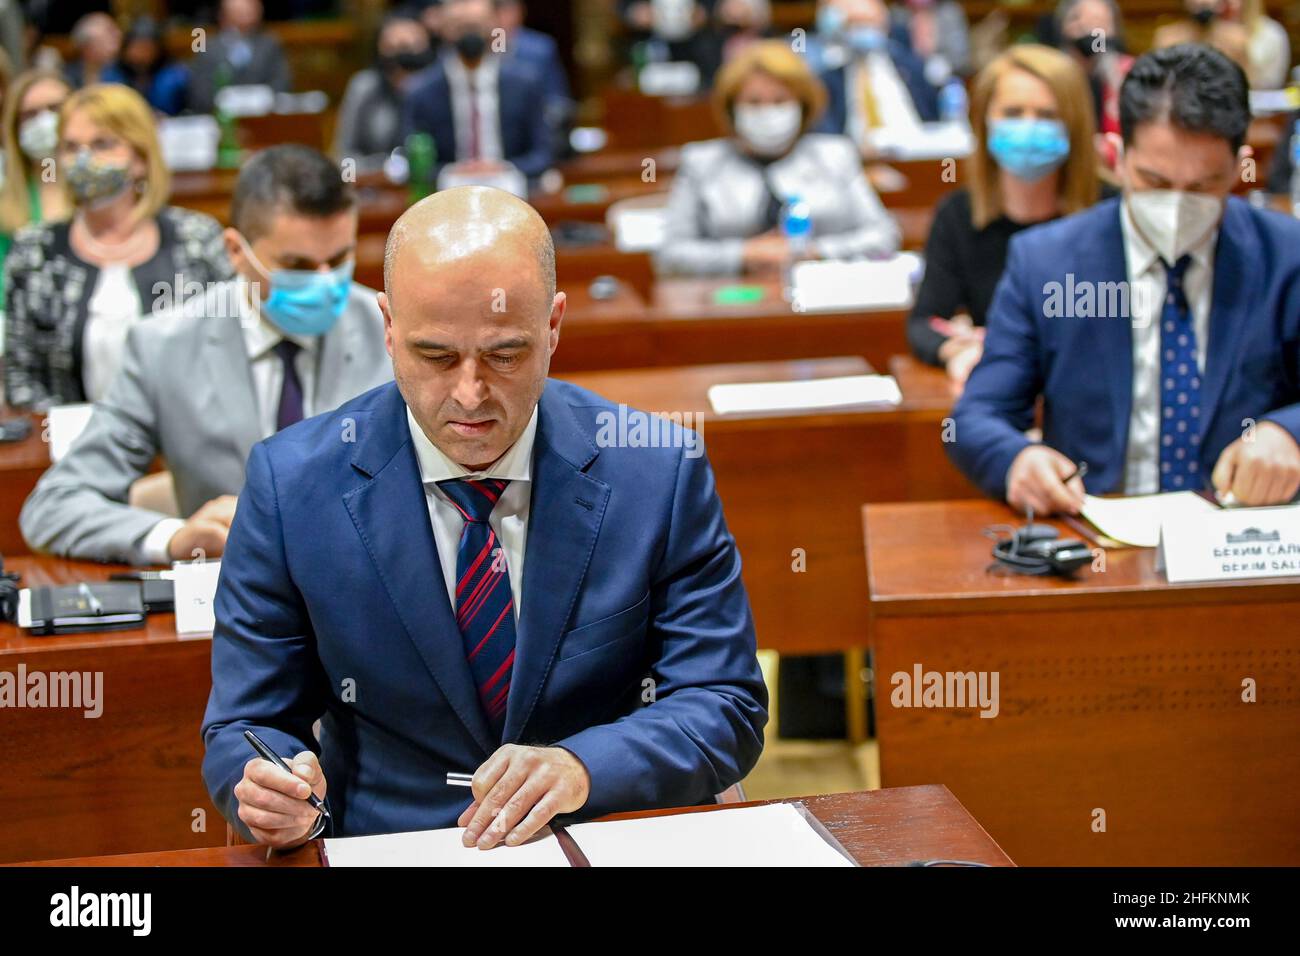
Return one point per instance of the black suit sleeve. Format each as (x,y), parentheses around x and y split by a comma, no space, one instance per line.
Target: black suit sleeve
(941,293)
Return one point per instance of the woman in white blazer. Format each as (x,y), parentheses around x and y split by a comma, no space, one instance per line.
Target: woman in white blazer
(724,210)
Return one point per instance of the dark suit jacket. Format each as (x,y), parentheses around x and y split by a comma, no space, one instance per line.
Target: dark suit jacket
(1083,366)
(910,69)
(267,66)
(631,584)
(525,138)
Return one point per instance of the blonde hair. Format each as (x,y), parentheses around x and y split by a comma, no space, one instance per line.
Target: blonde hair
(1077,184)
(15,203)
(124,113)
(777,60)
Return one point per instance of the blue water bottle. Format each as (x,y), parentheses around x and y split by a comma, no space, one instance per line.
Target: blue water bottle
(796,226)
(953,103)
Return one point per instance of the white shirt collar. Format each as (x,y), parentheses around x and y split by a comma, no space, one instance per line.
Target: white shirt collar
(515,465)
(1142,256)
(484,73)
(260,334)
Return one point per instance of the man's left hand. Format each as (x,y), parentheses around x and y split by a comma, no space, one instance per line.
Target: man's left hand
(518,790)
(1262,470)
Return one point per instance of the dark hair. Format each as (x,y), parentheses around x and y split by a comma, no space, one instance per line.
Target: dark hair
(288,178)
(1193,86)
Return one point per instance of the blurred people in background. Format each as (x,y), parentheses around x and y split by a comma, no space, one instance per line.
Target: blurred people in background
(240,53)
(938,33)
(740,24)
(31,191)
(875,83)
(481,108)
(1093,34)
(1032,118)
(97,40)
(369,125)
(431,18)
(145,67)
(1241,30)
(74,288)
(540,51)
(725,207)
(679,31)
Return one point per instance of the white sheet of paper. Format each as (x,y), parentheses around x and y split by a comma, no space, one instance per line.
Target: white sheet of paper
(639,228)
(439,848)
(1136,520)
(194,584)
(189,142)
(67,422)
(834,286)
(939,140)
(812,393)
(771,835)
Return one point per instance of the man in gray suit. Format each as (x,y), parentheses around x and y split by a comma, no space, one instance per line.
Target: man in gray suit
(202,383)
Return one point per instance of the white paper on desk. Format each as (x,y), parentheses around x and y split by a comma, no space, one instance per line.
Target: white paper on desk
(771,835)
(829,286)
(194,585)
(189,143)
(439,848)
(508,178)
(1136,520)
(67,422)
(942,140)
(639,228)
(811,393)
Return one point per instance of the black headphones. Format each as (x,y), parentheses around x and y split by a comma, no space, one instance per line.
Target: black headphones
(8,594)
(1035,549)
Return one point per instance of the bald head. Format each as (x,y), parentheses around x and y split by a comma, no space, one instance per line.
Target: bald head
(469,221)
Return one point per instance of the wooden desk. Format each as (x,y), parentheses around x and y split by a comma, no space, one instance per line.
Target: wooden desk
(762,461)
(21,466)
(127,780)
(876,827)
(689,326)
(1118,693)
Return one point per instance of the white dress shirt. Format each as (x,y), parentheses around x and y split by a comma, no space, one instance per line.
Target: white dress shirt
(485,80)
(1148,287)
(893,98)
(509,518)
(113,308)
(267,373)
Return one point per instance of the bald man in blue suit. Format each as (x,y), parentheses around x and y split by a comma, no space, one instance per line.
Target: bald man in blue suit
(467,571)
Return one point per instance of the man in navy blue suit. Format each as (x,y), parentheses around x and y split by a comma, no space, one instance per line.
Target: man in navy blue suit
(481,108)
(1161,329)
(475,570)
(872,80)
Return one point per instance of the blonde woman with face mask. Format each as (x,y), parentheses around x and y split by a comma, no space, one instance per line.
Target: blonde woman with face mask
(74,288)
(724,211)
(29,128)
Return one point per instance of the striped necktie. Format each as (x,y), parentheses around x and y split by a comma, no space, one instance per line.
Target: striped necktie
(484,605)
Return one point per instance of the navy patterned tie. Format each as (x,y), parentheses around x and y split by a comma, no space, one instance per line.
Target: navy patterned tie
(290,409)
(485,610)
(1180,388)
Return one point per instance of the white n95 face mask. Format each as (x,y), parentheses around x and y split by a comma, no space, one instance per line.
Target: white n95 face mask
(1173,221)
(769,128)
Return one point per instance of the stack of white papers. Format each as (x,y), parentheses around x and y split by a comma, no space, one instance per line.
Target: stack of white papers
(67,422)
(812,393)
(1136,521)
(773,835)
(833,286)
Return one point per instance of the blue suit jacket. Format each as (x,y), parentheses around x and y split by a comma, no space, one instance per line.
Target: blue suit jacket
(542,53)
(332,605)
(521,111)
(1083,367)
(910,69)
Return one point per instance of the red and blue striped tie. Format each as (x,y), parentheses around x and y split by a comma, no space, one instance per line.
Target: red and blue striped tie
(485,610)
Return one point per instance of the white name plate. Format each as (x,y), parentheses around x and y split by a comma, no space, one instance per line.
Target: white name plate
(1231,545)
(194,584)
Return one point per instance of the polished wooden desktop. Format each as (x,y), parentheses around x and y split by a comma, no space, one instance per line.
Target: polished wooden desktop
(126,780)
(1121,697)
(900,827)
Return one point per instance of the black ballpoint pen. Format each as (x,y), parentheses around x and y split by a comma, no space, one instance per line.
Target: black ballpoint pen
(268,754)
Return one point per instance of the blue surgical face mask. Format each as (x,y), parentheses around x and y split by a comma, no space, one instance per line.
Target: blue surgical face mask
(830,21)
(1029,149)
(304,302)
(867,39)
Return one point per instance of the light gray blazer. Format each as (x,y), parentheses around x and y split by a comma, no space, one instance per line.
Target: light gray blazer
(184,391)
(718,198)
